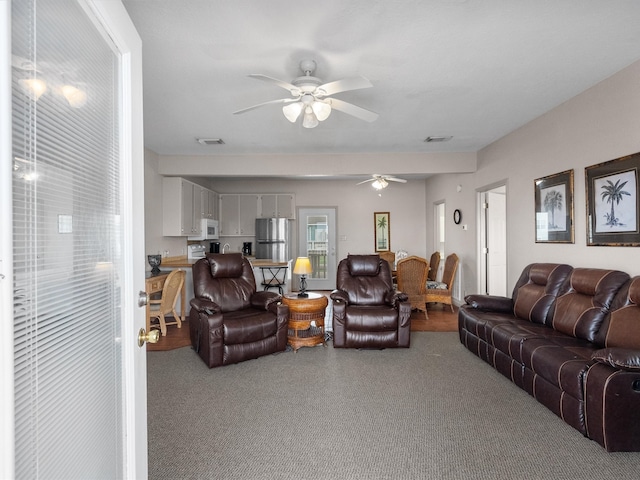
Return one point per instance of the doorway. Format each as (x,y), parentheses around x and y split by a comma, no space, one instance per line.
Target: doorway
(493,240)
(317,240)
(438,230)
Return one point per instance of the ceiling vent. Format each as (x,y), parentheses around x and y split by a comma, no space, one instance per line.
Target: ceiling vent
(437,139)
(210,141)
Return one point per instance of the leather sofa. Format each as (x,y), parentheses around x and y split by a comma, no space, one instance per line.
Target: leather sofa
(367,310)
(570,337)
(230,321)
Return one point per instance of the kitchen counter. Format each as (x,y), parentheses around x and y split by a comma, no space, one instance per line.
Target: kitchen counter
(183,261)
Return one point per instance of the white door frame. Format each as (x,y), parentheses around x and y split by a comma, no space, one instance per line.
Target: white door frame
(481,251)
(114,20)
(332,212)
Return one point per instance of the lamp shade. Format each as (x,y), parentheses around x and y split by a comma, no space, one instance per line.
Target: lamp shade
(309,120)
(292,111)
(302,266)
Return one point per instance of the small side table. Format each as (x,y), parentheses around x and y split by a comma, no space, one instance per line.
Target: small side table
(303,311)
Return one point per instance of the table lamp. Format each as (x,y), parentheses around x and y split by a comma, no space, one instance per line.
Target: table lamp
(302,268)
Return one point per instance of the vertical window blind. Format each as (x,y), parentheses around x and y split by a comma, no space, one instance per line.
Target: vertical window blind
(67,258)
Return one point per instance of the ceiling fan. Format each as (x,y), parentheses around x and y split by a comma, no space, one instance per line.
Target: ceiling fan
(382,181)
(312,98)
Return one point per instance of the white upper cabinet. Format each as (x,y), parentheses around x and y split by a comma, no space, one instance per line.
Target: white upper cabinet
(238,213)
(183,205)
(280,205)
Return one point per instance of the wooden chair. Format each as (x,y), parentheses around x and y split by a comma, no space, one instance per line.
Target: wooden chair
(434,263)
(389,257)
(166,304)
(443,293)
(412,280)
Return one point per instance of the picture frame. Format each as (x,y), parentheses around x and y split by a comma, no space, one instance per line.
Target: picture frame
(554,208)
(382,231)
(613,208)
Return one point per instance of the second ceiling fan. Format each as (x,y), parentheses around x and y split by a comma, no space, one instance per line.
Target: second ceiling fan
(313,99)
(381,181)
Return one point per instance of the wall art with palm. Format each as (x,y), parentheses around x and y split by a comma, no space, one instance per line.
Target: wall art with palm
(612,202)
(382,231)
(554,208)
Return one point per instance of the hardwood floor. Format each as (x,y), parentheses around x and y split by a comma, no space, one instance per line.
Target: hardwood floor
(440,320)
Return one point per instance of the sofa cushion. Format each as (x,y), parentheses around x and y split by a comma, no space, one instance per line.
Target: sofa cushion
(255,325)
(371,318)
(536,290)
(621,328)
(580,311)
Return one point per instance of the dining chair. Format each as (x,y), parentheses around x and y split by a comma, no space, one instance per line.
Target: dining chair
(442,292)
(412,280)
(434,264)
(165,306)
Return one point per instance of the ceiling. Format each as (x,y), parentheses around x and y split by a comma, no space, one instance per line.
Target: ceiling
(472,69)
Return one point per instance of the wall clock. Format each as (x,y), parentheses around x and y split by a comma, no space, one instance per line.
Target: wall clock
(457,216)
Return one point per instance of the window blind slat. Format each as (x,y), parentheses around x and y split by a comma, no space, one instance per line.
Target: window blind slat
(66,298)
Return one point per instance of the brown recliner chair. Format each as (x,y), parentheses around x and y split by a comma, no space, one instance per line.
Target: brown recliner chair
(230,321)
(367,311)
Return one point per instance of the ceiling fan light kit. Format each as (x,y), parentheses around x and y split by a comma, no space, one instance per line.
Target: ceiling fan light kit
(380,182)
(310,97)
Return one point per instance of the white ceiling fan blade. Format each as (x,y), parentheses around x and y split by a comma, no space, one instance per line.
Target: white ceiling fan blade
(353,83)
(295,91)
(353,110)
(280,100)
(367,181)
(395,179)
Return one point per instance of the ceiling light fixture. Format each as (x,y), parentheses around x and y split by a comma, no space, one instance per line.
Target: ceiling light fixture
(210,141)
(438,139)
(379,184)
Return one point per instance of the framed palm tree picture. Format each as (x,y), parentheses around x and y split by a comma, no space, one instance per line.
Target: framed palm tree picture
(382,231)
(612,202)
(554,208)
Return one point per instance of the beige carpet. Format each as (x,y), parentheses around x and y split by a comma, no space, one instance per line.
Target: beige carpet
(433,411)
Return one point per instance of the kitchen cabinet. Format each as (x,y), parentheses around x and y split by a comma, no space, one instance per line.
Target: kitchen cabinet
(209,204)
(238,213)
(181,207)
(280,205)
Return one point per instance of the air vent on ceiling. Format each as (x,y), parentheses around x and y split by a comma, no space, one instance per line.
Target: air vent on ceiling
(437,139)
(210,141)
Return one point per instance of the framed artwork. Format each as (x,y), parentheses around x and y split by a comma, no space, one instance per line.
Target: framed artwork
(554,208)
(382,231)
(612,202)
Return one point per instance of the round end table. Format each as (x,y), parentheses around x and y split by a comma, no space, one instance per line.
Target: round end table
(303,311)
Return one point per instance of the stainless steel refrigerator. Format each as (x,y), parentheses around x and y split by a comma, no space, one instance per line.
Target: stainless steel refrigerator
(273,236)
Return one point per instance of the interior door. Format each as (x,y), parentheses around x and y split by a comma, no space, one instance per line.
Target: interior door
(317,240)
(493,241)
(73,260)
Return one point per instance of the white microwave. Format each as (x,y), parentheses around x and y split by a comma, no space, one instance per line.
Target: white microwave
(208,230)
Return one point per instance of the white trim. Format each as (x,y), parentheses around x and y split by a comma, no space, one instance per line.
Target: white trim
(7,407)
(114,18)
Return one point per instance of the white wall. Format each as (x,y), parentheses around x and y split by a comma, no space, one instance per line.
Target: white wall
(355,207)
(155,243)
(601,124)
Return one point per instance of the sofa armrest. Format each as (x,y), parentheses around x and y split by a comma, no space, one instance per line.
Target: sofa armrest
(204,306)
(620,358)
(339,296)
(395,297)
(263,299)
(492,303)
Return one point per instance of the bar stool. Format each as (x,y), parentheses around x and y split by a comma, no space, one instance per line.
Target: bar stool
(274,277)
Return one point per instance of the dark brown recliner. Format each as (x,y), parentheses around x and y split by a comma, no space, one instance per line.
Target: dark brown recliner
(367,311)
(229,320)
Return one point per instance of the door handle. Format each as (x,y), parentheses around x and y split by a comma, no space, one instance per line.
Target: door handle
(143,298)
(152,337)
